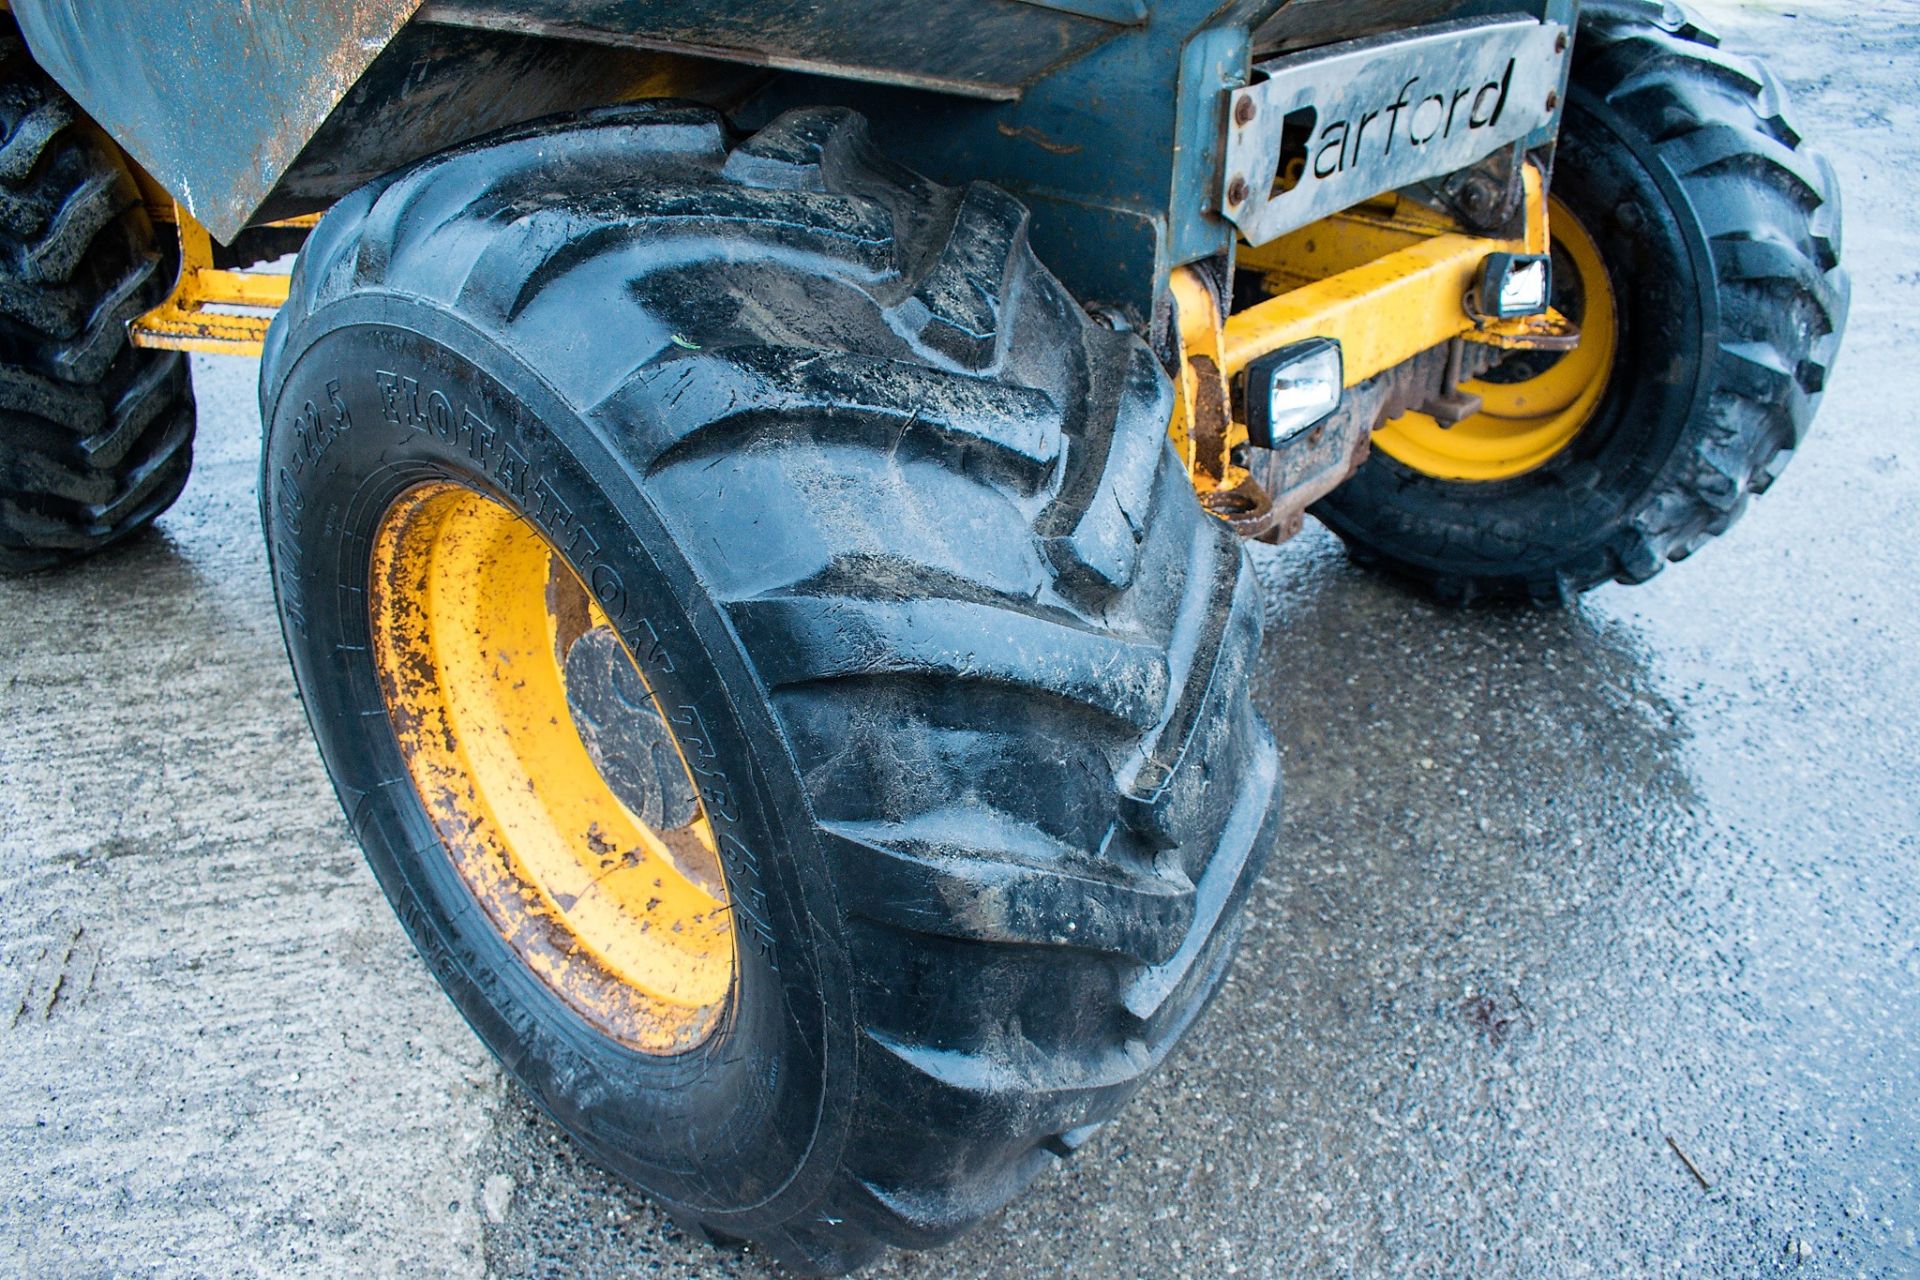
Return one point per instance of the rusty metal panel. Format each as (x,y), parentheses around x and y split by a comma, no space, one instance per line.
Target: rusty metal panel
(433,87)
(979,48)
(1450,95)
(215,99)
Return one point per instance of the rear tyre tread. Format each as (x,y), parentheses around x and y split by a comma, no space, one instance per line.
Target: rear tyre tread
(1735,125)
(96,436)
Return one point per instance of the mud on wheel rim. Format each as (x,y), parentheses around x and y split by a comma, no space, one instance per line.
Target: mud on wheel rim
(1534,405)
(548,770)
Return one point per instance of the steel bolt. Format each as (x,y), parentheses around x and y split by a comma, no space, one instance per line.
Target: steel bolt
(1560,43)
(1243,111)
(1237,191)
(1480,195)
(1553,100)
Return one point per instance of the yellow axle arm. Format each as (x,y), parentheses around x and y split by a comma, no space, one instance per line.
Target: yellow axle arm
(210,308)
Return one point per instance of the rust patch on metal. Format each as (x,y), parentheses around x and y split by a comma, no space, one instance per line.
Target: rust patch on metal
(1209,416)
(1027,133)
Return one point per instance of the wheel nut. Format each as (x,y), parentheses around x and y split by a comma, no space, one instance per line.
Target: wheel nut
(1480,195)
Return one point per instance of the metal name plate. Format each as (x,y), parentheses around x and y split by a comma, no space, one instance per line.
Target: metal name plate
(1331,127)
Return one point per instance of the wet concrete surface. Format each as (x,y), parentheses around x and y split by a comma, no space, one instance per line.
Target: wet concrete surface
(1560,898)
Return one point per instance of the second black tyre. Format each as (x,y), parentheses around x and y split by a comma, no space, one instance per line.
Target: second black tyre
(96,435)
(776,666)
(1697,241)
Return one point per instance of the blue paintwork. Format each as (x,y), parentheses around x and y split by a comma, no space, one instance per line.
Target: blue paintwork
(1115,147)
(214,99)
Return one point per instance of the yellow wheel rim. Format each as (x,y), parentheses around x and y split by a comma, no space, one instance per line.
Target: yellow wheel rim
(548,770)
(1523,423)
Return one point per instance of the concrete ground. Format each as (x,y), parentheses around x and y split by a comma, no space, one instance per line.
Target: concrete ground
(1561,897)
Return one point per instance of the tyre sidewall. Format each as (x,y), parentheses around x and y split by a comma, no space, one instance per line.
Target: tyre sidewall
(749,1122)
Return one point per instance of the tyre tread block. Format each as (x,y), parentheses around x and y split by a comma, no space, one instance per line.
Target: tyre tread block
(815,638)
(743,392)
(97,433)
(979,874)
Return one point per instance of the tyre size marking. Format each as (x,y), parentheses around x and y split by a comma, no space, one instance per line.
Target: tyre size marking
(716,792)
(402,404)
(287,557)
(314,432)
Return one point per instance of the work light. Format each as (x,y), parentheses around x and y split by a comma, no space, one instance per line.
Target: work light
(1292,390)
(1515,284)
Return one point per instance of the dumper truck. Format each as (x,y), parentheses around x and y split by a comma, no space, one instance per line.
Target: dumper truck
(757,492)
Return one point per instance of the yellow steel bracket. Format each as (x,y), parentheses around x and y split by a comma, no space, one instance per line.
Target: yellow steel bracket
(1205,431)
(1389,280)
(211,308)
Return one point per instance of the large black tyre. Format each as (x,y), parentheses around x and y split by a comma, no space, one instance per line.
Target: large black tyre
(1720,235)
(880,509)
(96,436)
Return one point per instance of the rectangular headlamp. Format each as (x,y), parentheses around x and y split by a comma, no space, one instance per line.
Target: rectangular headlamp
(1292,390)
(1514,284)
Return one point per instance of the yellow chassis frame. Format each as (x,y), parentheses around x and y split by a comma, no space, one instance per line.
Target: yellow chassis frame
(211,308)
(1389,280)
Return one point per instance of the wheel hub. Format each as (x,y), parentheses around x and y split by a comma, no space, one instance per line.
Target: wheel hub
(546,767)
(1533,404)
(624,734)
